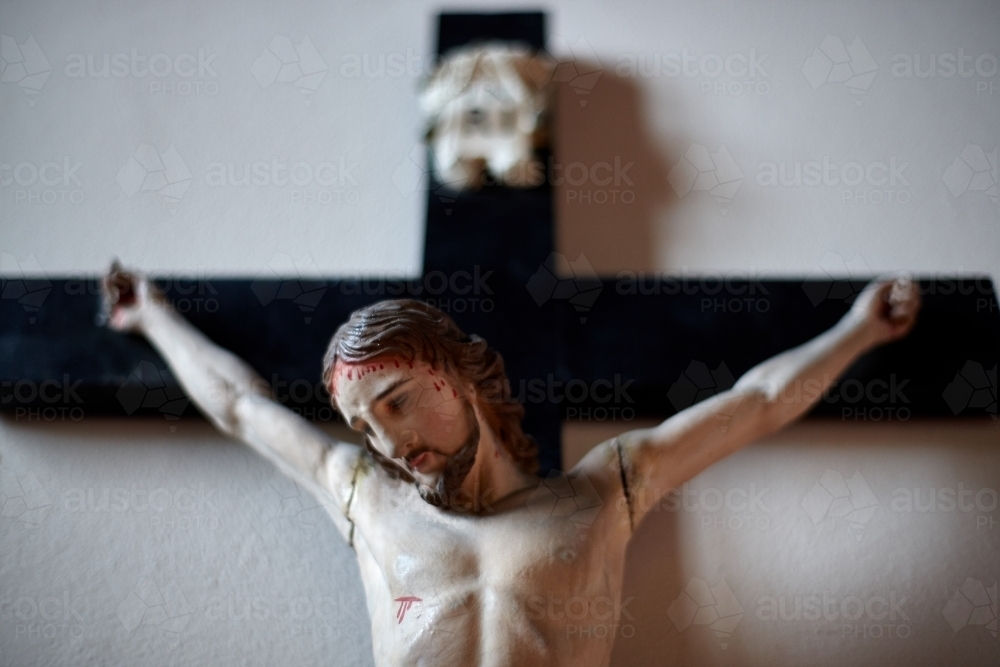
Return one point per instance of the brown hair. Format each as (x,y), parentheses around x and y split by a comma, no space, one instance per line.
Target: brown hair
(418,331)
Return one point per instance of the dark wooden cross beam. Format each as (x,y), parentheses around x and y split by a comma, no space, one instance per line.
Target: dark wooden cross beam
(575,347)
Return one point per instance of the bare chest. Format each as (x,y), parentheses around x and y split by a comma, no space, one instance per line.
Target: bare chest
(527,584)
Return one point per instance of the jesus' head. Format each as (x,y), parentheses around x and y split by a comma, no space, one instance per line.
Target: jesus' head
(423,392)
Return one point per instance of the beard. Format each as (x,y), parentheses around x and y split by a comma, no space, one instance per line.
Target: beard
(447,491)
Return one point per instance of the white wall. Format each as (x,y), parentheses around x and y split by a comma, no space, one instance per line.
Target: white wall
(259,540)
(368,122)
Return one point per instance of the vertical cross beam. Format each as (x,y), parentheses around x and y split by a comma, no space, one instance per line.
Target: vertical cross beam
(505,233)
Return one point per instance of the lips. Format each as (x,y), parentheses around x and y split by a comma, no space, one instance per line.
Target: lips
(420,461)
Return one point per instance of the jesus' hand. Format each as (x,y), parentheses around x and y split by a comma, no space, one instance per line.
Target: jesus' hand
(887,309)
(125,296)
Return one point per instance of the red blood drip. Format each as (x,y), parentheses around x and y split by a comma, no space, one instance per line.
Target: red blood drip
(454,394)
(349,375)
(397,364)
(380,366)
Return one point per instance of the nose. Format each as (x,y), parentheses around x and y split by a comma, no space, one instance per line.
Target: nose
(404,443)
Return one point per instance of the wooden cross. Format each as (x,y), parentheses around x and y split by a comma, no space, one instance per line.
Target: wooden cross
(575,346)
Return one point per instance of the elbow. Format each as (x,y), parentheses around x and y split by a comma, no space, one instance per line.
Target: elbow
(775,409)
(755,396)
(758,383)
(238,409)
(769,412)
(226,423)
(232,418)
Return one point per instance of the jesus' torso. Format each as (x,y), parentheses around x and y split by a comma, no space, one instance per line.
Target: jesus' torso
(537,583)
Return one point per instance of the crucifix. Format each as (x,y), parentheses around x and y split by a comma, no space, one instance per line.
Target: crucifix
(464,527)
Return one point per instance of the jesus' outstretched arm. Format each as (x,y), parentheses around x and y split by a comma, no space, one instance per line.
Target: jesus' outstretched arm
(767,397)
(232,395)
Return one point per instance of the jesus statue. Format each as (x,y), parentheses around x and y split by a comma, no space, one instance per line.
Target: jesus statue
(461,546)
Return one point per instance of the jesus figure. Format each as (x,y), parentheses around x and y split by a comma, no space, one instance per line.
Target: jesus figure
(462,548)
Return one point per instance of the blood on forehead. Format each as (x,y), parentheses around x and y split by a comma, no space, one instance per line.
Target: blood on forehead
(355,370)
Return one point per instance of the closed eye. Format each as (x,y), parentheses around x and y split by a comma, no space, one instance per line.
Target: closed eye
(396,404)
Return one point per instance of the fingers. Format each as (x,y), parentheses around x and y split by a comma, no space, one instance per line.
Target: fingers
(121,292)
(903,288)
(905,298)
(109,291)
(885,290)
(117,287)
(904,302)
(111,279)
(897,291)
(120,284)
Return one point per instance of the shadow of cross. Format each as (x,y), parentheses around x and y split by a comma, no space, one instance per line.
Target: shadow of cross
(581,346)
(576,345)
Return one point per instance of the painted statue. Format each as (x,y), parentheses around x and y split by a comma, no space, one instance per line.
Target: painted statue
(463,549)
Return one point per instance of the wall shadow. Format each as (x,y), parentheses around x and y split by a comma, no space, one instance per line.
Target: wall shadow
(605,214)
(613,225)
(654,568)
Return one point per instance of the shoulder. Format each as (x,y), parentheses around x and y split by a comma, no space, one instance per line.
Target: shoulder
(341,466)
(609,464)
(358,481)
(624,461)
(615,454)
(611,470)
